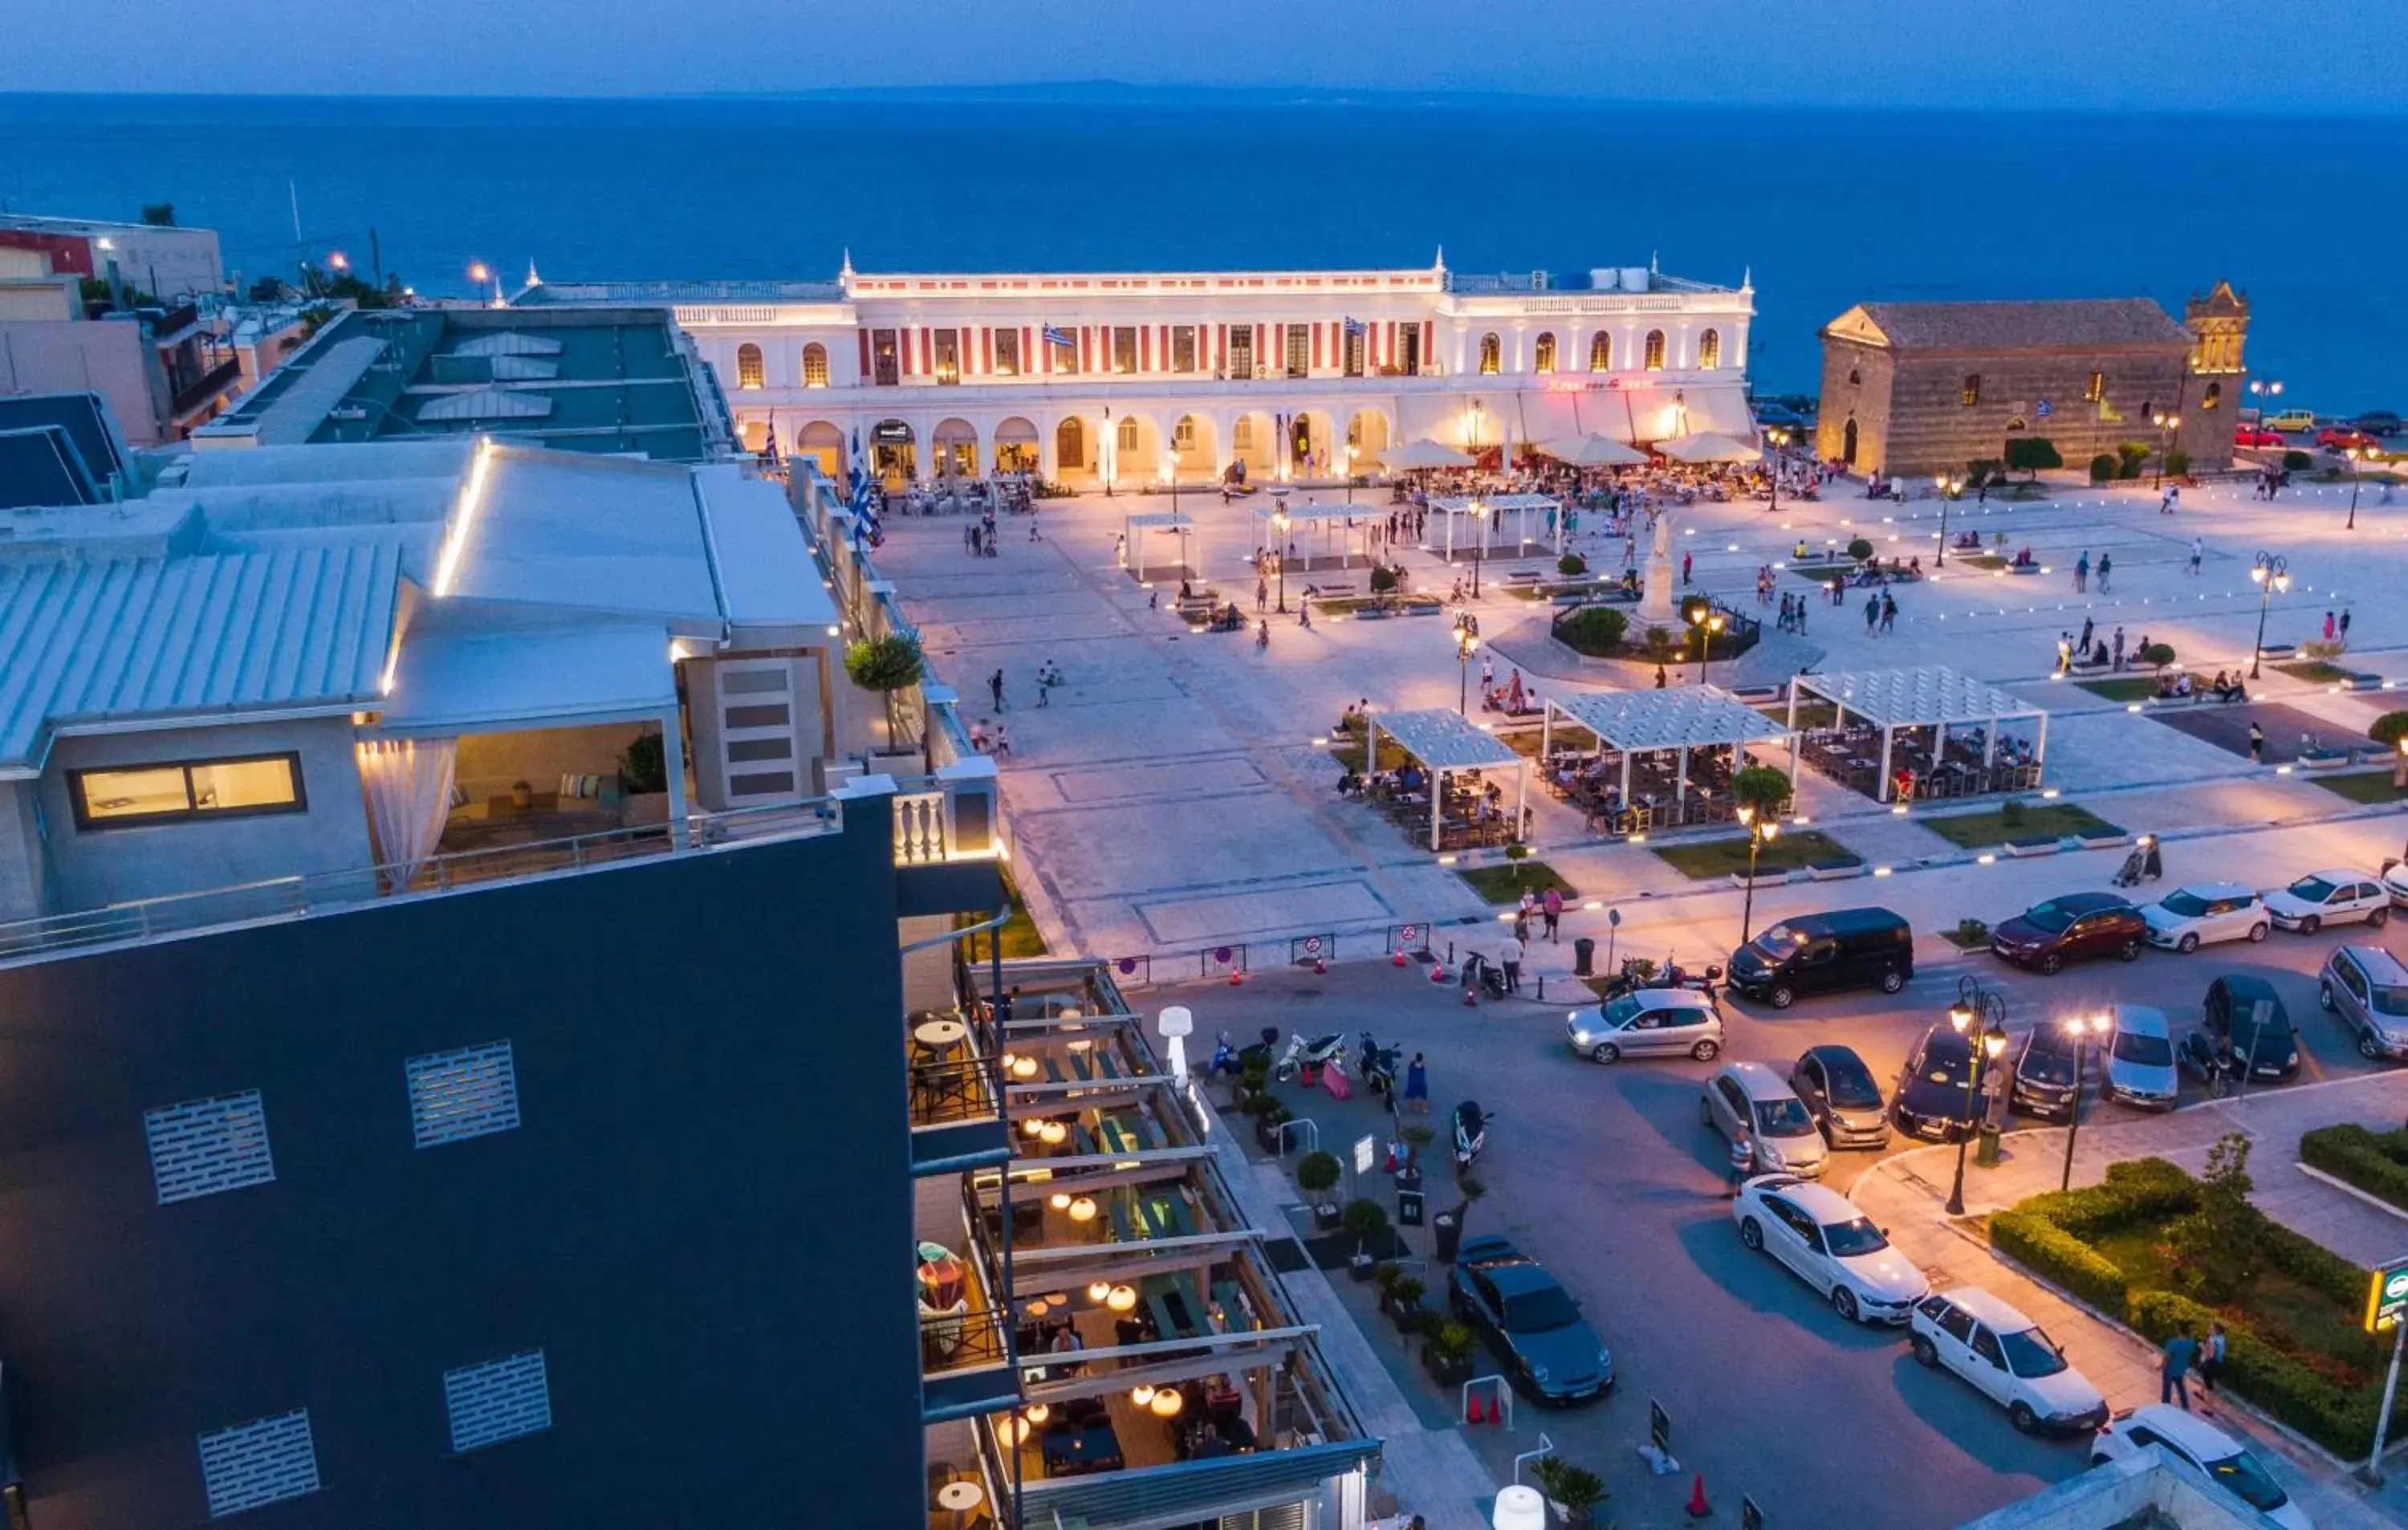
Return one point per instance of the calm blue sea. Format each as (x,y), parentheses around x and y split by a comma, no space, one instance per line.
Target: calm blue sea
(1827,208)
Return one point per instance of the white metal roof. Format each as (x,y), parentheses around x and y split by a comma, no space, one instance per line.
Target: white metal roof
(1163,517)
(183,638)
(486,404)
(1668,719)
(1928,693)
(1315,510)
(1442,740)
(457,674)
(1470,504)
(508,342)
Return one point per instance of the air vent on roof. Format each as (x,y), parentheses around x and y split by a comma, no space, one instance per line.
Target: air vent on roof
(262,1462)
(499,1400)
(455,1095)
(202,1147)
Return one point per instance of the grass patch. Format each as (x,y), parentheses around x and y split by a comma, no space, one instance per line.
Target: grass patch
(1811,714)
(1018,934)
(2129,687)
(1506,884)
(1392,754)
(1980,831)
(2366,786)
(1727,857)
(2314,669)
(1344,605)
(1524,742)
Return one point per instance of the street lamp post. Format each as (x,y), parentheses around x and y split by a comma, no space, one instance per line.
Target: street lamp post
(1479,538)
(1279,530)
(1467,638)
(1776,439)
(1950,487)
(1761,829)
(2272,573)
(2166,424)
(1980,1016)
(1171,474)
(1707,621)
(2353,453)
(2264,389)
(2080,1027)
(1353,451)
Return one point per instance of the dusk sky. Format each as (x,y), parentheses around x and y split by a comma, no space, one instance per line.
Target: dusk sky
(2317,57)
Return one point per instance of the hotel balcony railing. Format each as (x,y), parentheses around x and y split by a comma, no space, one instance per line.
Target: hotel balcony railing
(950,816)
(952,1341)
(212,382)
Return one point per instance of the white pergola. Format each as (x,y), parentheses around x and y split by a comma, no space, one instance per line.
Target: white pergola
(1349,523)
(1136,529)
(1444,742)
(1926,696)
(1682,719)
(1484,508)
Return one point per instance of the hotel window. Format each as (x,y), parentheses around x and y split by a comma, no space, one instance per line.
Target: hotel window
(1710,349)
(815,365)
(1970,393)
(884,362)
(2213,397)
(1492,354)
(1242,351)
(1124,349)
(1300,349)
(1183,435)
(1600,352)
(1007,353)
(2097,388)
(1242,436)
(1351,359)
(1182,348)
(1544,356)
(1126,437)
(1654,351)
(948,345)
(748,366)
(1065,354)
(159,793)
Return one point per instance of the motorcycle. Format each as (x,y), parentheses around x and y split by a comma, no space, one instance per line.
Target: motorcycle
(1224,1058)
(1637,973)
(1378,1065)
(1481,973)
(1259,1052)
(1470,1132)
(1321,1051)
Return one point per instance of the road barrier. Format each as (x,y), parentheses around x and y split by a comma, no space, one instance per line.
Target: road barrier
(1314,950)
(1411,940)
(1222,961)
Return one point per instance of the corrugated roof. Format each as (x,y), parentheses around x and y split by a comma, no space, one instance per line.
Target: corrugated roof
(2057,324)
(89,642)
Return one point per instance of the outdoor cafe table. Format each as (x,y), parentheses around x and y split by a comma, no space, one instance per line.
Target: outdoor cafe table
(1447,745)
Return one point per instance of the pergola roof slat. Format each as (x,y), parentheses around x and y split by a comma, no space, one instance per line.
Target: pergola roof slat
(1689,717)
(1921,696)
(1441,740)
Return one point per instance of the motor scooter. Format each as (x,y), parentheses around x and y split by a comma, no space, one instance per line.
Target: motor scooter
(1260,1052)
(1321,1051)
(1470,1132)
(1481,973)
(1378,1065)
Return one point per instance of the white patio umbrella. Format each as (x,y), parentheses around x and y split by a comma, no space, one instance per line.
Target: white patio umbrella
(1709,447)
(1427,454)
(1594,451)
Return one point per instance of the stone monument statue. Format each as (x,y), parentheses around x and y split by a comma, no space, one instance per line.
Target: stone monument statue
(1655,604)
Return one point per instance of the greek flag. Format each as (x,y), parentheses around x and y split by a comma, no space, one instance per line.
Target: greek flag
(1354,327)
(861,475)
(1058,337)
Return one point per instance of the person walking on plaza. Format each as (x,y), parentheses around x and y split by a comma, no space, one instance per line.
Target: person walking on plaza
(1742,1160)
(1659,677)
(2173,1382)
(2119,648)
(2081,644)
(1263,637)
(2329,626)
(1889,612)
(2106,566)
(1514,950)
(1002,740)
(2064,651)
(2197,551)
(2256,744)
(1417,1086)
(1551,908)
(1872,612)
(994,688)
(1685,561)
(2082,572)
(2211,1362)
(2345,627)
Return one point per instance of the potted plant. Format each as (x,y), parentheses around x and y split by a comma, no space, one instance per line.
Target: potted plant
(1417,1136)
(1269,1116)
(1253,1078)
(888,667)
(1404,1303)
(1365,1219)
(1386,1274)
(1446,1352)
(522,796)
(1316,1175)
(1572,1492)
(644,780)
(1449,1223)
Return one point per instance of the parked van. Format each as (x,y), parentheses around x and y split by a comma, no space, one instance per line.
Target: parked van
(2291,419)
(1820,954)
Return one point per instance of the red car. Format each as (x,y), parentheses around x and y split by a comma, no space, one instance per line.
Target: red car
(2257,435)
(2341,439)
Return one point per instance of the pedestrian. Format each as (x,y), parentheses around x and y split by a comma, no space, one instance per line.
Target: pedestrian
(1872,612)
(2119,648)
(1890,611)
(2345,627)
(2165,503)
(2083,645)
(1551,908)
(2082,573)
(1263,637)
(1002,740)
(2329,626)
(1003,1006)
(2064,651)
(1742,1160)
(994,688)
(1417,1085)
(1798,617)
(1659,677)
(1522,915)
(2211,1362)
(2174,1373)
(1487,674)
(1685,570)
(2173,498)
(1514,950)
(1262,595)
(970,537)
(2197,551)
(2256,744)
(2106,566)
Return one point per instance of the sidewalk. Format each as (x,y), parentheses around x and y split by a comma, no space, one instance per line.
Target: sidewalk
(1906,1195)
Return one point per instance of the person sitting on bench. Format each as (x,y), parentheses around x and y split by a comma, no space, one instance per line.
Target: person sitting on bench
(2229,689)
(2174,687)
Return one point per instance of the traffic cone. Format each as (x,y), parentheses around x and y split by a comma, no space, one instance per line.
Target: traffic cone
(1438,972)
(1237,978)
(1698,1508)
(1319,967)
(1476,1415)
(1399,959)
(1469,1001)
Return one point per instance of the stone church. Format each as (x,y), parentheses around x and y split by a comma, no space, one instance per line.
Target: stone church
(1912,389)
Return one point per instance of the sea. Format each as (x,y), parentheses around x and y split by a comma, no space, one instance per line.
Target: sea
(1821,207)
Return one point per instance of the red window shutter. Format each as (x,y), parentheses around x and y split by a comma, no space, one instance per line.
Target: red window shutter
(865,353)
(1262,344)
(1429,339)
(927,351)
(1316,345)
(1145,348)
(1086,349)
(986,350)
(1220,346)
(903,346)
(1028,355)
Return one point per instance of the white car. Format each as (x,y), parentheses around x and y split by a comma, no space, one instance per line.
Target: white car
(2141,1058)
(2191,1439)
(2204,913)
(2329,897)
(1830,1245)
(2395,882)
(2009,1359)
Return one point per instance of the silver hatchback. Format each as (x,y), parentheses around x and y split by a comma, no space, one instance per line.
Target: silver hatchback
(2367,987)
(1650,1022)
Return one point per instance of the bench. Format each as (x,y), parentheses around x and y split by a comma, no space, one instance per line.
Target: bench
(1333,591)
(1522,577)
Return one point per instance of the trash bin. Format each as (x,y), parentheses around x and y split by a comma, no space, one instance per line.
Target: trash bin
(1449,1234)
(1986,1151)
(1584,957)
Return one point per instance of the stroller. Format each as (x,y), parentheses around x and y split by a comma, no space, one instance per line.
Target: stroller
(2143,865)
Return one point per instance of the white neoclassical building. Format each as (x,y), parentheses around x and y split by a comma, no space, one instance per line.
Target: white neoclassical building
(1128,377)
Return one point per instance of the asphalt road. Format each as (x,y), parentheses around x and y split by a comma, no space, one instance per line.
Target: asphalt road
(1606,1174)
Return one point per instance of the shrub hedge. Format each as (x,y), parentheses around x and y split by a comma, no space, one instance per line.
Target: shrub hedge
(2376,1163)
(2306,1399)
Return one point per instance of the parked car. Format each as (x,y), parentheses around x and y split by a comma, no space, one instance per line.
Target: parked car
(2223,1460)
(2343,439)
(2258,436)
(2376,422)
(2243,1009)
(2141,1058)
(1930,1100)
(2079,924)
(1782,1131)
(1779,415)
(2203,913)
(2008,1358)
(1534,1325)
(1651,1022)
(1820,954)
(2395,881)
(2367,987)
(2289,420)
(2044,1073)
(2329,897)
(1840,1096)
(1830,1245)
